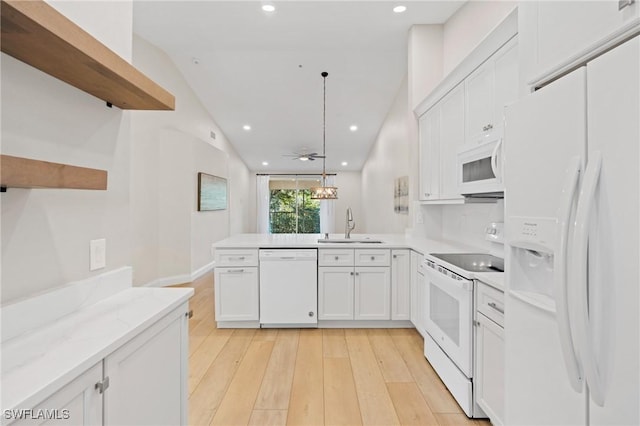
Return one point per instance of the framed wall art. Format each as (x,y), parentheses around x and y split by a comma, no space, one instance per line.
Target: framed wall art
(212,192)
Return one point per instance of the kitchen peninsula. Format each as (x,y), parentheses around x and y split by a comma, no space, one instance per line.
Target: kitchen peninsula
(365,281)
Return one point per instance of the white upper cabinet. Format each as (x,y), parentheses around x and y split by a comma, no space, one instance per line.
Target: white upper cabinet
(479,101)
(430,154)
(487,90)
(470,114)
(451,139)
(558,35)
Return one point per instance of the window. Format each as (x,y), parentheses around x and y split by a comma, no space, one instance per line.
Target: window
(291,209)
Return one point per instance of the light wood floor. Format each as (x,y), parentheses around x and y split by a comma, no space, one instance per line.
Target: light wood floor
(310,377)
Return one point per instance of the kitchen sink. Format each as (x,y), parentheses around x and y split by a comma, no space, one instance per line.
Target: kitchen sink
(349,241)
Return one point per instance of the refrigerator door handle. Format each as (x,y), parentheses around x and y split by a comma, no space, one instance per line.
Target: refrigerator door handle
(579,278)
(568,195)
(494,160)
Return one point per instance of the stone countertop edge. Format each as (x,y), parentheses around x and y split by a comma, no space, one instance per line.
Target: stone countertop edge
(38,363)
(424,246)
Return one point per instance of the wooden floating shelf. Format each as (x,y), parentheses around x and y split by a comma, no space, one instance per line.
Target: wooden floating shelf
(17,172)
(39,35)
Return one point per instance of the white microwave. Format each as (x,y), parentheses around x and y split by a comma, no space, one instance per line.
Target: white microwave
(479,169)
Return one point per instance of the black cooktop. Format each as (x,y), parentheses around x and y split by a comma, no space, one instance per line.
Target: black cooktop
(473,262)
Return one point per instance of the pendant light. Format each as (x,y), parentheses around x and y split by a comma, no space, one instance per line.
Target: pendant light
(324,192)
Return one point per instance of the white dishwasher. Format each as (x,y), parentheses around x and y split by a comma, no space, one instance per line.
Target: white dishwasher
(289,288)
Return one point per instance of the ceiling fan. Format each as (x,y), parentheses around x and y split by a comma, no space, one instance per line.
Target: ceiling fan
(305,157)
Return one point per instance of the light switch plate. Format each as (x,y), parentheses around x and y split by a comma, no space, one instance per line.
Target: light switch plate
(98,254)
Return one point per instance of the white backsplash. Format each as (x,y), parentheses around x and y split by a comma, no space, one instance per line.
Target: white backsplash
(462,223)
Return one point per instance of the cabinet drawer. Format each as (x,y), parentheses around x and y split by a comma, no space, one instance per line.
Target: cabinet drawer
(373,257)
(236,257)
(335,257)
(490,302)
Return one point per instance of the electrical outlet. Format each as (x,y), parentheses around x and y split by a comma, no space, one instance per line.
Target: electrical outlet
(98,254)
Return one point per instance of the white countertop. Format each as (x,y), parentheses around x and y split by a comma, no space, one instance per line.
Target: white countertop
(38,362)
(421,245)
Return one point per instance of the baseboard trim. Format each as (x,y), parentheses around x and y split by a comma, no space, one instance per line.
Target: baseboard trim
(181,279)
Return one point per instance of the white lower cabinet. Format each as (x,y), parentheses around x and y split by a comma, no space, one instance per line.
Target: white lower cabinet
(147,377)
(417,291)
(237,294)
(401,284)
(354,292)
(335,292)
(372,293)
(489,352)
(142,382)
(77,403)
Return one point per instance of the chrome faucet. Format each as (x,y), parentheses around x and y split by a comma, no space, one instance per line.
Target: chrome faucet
(350,224)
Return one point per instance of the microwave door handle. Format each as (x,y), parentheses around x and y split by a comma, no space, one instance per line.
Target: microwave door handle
(494,159)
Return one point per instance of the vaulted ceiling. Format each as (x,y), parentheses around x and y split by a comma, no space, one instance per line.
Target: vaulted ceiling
(262,69)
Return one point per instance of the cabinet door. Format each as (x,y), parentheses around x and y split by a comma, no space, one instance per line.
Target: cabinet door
(372,293)
(147,376)
(559,31)
(400,285)
(430,154)
(451,139)
(506,78)
(489,374)
(236,296)
(413,280)
(77,403)
(479,94)
(422,301)
(335,293)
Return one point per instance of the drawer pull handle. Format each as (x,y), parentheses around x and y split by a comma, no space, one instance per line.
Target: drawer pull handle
(235,271)
(237,258)
(496,307)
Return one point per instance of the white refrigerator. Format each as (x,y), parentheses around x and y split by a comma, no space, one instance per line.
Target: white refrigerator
(572,225)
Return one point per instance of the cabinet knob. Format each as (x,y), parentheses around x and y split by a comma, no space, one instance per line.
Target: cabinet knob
(336,257)
(358,273)
(311,314)
(351,273)
(487,127)
(373,258)
(395,256)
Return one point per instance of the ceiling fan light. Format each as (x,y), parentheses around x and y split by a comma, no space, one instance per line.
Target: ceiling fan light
(304,158)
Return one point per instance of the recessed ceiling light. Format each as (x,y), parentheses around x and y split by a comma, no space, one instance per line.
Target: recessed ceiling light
(344,163)
(246,127)
(353,127)
(268,8)
(399,9)
(265,163)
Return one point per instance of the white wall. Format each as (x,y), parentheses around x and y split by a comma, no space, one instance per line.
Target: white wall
(388,160)
(190,125)
(433,52)
(46,232)
(468,26)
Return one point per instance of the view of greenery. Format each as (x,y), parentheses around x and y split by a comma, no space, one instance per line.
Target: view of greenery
(293,211)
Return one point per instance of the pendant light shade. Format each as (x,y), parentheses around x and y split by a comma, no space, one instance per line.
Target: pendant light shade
(324,192)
